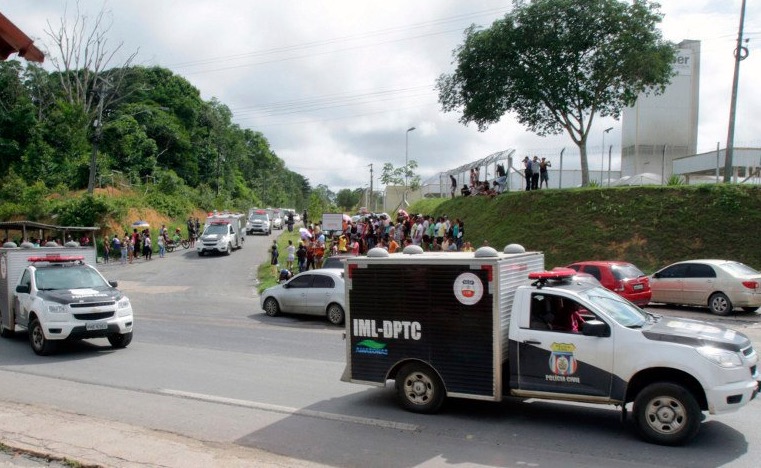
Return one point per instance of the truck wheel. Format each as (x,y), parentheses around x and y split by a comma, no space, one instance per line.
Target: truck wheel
(40,345)
(335,314)
(200,253)
(120,340)
(271,307)
(229,249)
(419,388)
(719,304)
(666,414)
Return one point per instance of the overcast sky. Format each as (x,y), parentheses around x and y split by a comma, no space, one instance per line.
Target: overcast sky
(335,84)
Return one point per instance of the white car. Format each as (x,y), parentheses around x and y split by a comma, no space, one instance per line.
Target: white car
(277,222)
(313,292)
(721,285)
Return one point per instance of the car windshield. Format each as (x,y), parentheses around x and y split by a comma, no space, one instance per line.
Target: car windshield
(740,269)
(621,272)
(216,229)
(616,307)
(258,217)
(68,277)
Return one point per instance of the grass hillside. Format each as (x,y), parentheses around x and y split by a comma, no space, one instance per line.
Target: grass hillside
(648,226)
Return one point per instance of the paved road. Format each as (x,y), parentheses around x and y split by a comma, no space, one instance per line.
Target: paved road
(208,365)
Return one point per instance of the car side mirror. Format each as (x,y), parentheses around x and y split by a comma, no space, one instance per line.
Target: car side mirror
(113,284)
(657,275)
(286,285)
(595,328)
(22,289)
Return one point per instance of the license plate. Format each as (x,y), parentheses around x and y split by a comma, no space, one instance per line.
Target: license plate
(637,287)
(96,326)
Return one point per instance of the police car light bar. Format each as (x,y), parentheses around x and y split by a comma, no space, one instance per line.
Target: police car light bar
(57,258)
(554,274)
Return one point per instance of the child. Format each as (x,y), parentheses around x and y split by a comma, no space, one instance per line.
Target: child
(291,256)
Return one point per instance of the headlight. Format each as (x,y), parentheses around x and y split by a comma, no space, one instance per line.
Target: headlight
(56,308)
(123,303)
(721,357)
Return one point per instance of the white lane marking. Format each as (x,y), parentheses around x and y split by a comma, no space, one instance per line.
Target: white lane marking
(296,411)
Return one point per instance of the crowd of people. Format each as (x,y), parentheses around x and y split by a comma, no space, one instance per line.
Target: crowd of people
(369,231)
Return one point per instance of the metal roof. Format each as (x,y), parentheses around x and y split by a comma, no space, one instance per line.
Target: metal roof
(13,40)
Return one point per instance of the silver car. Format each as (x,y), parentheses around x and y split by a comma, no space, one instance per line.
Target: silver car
(313,292)
(721,285)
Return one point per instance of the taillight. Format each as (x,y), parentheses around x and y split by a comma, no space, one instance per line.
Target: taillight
(618,286)
(750,284)
(489,272)
(352,267)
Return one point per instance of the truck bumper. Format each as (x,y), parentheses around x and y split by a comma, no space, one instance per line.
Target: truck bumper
(731,397)
(79,330)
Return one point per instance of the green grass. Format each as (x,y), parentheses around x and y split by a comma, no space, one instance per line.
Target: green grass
(264,273)
(648,226)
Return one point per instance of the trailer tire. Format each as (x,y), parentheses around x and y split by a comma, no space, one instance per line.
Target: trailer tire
(667,414)
(120,340)
(335,314)
(40,345)
(5,332)
(419,388)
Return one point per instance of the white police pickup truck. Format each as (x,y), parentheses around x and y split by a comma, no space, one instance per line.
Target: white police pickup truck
(488,325)
(58,297)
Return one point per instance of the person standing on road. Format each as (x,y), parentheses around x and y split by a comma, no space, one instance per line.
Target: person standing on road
(147,246)
(161,241)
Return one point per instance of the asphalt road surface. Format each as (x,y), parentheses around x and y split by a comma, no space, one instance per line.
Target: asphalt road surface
(207,363)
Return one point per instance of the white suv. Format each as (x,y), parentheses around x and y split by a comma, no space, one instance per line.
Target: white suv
(64,298)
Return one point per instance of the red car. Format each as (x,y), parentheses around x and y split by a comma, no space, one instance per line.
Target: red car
(623,278)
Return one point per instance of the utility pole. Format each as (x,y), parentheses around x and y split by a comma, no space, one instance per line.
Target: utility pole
(370,198)
(97,132)
(741,53)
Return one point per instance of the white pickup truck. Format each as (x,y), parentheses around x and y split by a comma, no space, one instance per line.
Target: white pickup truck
(55,295)
(490,324)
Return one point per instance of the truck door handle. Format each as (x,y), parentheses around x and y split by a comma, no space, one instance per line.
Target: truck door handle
(532,342)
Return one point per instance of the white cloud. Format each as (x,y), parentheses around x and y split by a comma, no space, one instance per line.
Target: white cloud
(334,85)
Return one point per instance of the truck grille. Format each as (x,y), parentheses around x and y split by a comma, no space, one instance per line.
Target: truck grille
(91,304)
(94,316)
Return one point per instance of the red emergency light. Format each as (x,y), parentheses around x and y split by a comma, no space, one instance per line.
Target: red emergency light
(554,274)
(55,258)
(219,222)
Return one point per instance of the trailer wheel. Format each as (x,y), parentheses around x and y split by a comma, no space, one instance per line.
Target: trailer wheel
(5,332)
(120,340)
(40,345)
(271,307)
(419,388)
(335,314)
(666,414)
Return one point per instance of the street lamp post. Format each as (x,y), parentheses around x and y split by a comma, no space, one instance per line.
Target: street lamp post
(406,163)
(602,158)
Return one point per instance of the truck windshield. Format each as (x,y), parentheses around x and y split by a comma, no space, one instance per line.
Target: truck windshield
(617,308)
(68,278)
(216,229)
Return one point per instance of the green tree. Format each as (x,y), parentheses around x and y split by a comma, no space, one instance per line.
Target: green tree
(558,63)
(391,175)
(346,199)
